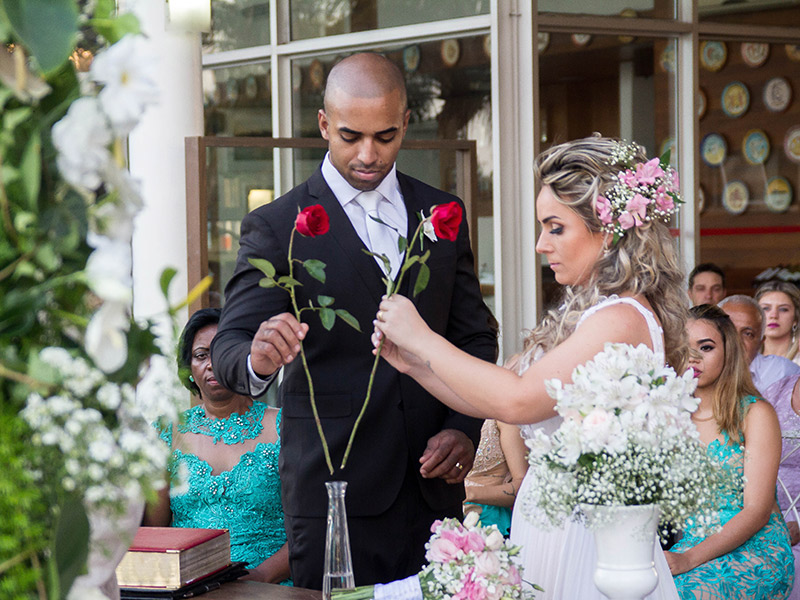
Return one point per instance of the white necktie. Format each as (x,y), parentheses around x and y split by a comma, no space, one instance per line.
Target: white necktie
(382,238)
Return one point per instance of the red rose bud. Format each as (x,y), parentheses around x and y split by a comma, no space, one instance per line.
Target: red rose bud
(446,219)
(312,221)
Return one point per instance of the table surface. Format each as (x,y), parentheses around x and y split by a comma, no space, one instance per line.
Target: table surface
(254,590)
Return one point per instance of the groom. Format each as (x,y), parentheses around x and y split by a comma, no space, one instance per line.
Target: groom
(411,452)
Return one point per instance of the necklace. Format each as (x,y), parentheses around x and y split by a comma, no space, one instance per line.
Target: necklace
(234,429)
(703,419)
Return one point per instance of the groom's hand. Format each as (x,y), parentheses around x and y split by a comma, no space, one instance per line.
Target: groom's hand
(276,343)
(449,456)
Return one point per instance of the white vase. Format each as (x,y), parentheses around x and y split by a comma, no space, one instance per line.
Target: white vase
(110,536)
(625,539)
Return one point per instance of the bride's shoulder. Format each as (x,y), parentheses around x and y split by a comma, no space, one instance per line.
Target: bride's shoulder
(617,312)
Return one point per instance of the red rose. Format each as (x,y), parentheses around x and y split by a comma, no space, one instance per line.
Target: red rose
(312,221)
(446,219)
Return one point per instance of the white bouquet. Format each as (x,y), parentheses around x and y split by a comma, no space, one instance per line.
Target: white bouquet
(627,438)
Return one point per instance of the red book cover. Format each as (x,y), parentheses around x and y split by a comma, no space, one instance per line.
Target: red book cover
(171,539)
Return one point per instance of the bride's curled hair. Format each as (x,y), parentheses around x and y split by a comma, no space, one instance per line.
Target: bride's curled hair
(642,261)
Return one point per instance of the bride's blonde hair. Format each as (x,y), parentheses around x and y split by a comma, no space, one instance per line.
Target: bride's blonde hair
(642,262)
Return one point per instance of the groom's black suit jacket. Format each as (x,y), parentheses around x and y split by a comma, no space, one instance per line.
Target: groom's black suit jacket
(401,416)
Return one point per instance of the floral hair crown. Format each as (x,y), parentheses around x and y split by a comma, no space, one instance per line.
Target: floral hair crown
(643,191)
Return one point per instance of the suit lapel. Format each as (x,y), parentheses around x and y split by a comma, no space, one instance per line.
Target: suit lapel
(346,238)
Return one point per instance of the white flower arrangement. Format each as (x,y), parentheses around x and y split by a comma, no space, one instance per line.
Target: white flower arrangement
(626,439)
(111,451)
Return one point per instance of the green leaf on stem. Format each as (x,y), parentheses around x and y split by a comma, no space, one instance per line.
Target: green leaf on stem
(328,318)
(48,28)
(114,29)
(315,268)
(31,167)
(266,282)
(288,281)
(423,277)
(348,318)
(324,300)
(71,543)
(263,265)
(167,275)
(402,244)
(424,258)
(15,116)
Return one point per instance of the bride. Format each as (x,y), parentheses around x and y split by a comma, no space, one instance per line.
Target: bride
(600,209)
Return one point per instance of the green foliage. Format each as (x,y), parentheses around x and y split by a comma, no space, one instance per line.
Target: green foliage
(48,28)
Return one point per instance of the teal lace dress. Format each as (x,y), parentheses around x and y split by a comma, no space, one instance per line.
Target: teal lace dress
(761,568)
(245,500)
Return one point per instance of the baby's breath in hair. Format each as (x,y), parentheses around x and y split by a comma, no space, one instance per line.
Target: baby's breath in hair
(643,191)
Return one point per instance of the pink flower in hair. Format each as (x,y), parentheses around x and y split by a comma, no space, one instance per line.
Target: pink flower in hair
(646,173)
(637,208)
(628,177)
(626,220)
(663,200)
(604,210)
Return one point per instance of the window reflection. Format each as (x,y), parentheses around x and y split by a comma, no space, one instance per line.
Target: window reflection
(237,24)
(238,101)
(663,9)
(319,18)
(750,12)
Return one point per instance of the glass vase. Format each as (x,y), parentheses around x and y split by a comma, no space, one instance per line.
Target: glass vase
(338,560)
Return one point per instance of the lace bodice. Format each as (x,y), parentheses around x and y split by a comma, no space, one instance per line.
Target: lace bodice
(246,499)
(656,337)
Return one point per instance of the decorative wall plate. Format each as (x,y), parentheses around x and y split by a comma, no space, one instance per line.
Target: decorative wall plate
(791,144)
(713,55)
(793,52)
(713,149)
(667,58)
(735,197)
(777,94)
(450,51)
(581,39)
(701,198)
(232,90)
(702,102)
(735,99)
(778,194)
(542,41)
(755,54)
(411,55)
(755,147)
(316,74)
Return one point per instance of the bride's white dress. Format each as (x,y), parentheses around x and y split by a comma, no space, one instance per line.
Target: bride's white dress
(562,560)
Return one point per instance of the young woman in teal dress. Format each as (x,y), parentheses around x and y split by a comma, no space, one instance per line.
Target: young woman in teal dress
(751,556)
(224,472)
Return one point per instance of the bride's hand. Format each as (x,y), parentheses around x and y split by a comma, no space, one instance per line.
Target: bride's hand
(397,325)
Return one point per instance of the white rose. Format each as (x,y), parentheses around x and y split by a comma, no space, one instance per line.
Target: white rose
(126,71)
(105,341)
(82,138)
(487,563)
(471,520)
(494,541)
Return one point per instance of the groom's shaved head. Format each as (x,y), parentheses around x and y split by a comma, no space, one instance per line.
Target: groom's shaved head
(364,75)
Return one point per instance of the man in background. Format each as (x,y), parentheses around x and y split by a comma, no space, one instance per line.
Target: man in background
(706,284)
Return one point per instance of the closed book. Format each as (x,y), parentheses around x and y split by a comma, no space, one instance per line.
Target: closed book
(170,557)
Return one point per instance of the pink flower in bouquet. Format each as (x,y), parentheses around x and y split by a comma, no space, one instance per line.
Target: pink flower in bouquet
(442,550)
(472,588)
(312,221)
(487,563)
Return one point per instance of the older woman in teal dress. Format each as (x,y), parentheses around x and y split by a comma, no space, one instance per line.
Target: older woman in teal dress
(750,557)
(224,472)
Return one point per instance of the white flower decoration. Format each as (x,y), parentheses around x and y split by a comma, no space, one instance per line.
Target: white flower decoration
(105,341)
(82,138)
(126,72)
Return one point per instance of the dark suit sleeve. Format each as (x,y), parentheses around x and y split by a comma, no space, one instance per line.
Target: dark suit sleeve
(470,323)
(246,303)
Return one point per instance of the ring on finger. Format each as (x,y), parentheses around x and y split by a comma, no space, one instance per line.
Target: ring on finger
(459,466)
(380,315)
